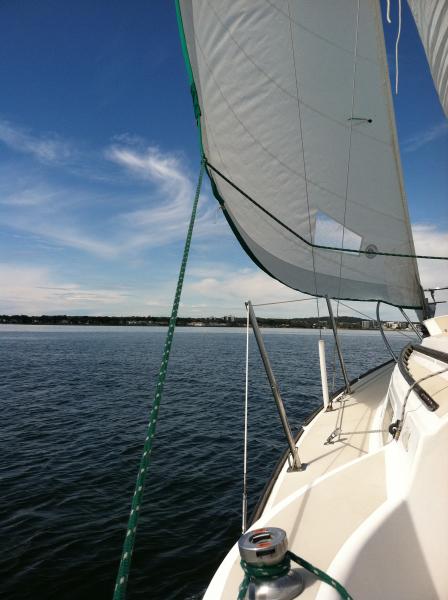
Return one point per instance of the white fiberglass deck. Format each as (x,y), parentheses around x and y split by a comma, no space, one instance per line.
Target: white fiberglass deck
(321,458)
(369,509)
(318,518)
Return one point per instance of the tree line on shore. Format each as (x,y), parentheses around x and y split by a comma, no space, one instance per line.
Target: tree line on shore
(305,322)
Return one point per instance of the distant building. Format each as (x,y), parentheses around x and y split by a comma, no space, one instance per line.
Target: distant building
(369,324)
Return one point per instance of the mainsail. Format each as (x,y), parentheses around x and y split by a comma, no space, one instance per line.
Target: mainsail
(431,18)
(294,105)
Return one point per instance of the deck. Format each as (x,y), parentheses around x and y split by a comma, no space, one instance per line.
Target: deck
(322,505)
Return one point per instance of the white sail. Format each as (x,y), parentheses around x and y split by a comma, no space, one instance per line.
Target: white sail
(431,18)
(296,112)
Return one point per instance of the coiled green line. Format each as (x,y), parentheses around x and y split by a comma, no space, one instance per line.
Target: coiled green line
(282,568)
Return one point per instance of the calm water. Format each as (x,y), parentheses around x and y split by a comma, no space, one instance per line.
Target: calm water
(74,403)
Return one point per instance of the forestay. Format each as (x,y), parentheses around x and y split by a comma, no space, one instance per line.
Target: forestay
(296,111)
(431,17)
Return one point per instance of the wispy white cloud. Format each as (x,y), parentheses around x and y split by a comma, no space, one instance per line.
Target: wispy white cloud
(151,165)
(46,149)
(167,218)
(35,291)
(74,238)
(436,132)
(223,289)
(37,195)
(148,209)
(54,229)
(129,139)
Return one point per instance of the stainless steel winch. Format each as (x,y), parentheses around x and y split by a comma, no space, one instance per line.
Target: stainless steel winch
(264,552)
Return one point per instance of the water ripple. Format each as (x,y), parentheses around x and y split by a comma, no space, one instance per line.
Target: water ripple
(74,404)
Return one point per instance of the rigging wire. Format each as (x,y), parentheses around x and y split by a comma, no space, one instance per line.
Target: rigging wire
(302,153)
(283,302)
(347,175)
(246,406)
(358,311)
(347,179)
(372,319)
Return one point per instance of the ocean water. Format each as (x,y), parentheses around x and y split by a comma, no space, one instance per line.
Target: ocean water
(74,404)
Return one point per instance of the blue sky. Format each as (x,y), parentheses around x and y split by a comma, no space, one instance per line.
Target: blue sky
(99,155)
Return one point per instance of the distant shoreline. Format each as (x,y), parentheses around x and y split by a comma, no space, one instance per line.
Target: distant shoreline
(354,323)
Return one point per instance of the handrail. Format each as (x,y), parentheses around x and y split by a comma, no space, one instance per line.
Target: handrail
(400,422)
(426,399)
(437,354)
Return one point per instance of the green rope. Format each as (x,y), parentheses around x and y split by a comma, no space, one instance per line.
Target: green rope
(193,89)
(320,575)
(282,568)
(261,572)
(128,546)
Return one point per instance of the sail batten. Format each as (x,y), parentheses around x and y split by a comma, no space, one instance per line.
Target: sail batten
(284,120)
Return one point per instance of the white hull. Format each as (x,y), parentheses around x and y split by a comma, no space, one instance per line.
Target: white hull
(369,510)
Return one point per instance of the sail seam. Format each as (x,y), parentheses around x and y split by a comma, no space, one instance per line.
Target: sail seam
(440,40)
(276,158)
(315,34)
(259,143)
(434,23)
(277,85)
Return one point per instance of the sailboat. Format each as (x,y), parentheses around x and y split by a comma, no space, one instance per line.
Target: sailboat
(297,130)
